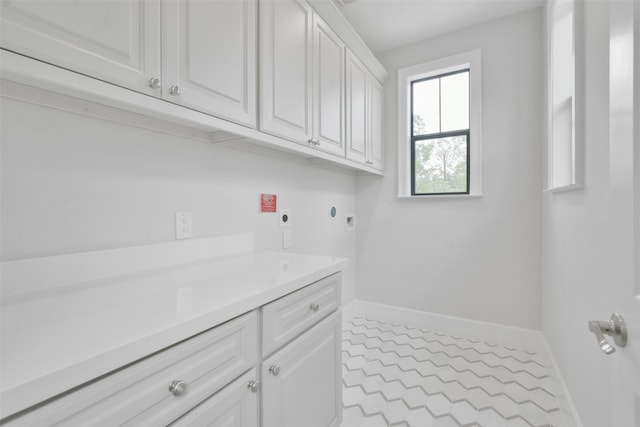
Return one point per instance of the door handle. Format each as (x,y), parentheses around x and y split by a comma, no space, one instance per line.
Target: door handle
(614,327)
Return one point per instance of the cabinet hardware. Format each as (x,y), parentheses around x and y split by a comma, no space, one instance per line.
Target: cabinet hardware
(154,83)
(174,90)
(254,386)
(314,307)
(178,387)
(274,370)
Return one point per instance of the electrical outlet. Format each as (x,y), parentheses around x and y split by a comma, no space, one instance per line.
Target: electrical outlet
(285,217)
(286,239)
(184,227)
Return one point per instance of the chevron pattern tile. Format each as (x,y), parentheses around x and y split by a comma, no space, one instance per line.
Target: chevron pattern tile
(408,377)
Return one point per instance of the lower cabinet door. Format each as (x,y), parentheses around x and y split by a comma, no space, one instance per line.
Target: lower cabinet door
(235,405)
(301,382)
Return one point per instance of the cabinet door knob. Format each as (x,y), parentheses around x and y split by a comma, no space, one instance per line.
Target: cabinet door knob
(177,387)
(254,386)
(274,369)
(174,90)
(314,307)
(154,83)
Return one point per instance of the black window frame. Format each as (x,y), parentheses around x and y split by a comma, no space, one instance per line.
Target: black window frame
(436,135)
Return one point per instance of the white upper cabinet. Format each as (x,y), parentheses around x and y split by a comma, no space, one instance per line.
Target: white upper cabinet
(328,88)
(209,57)
(356,110)
(375,123)
(302,76)
(114,41)
(364,139)
(285,69)
(277,66)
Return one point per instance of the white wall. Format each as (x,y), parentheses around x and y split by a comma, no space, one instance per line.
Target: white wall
(575,244)
(476,258)
(73,183)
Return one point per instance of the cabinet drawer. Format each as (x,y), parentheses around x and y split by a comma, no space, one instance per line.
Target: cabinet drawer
(287,317)
(235,405)
(139,394)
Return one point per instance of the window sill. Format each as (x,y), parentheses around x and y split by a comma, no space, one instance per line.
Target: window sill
(564,188)
(442,196)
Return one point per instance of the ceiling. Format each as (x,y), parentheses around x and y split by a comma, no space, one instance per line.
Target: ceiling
(387,24)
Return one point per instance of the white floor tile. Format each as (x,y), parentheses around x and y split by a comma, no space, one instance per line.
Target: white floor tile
(397,376)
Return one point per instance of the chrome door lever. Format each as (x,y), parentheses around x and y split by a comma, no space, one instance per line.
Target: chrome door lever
(614,327)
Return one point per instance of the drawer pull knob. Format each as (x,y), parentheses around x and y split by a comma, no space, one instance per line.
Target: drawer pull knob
(314,307)
(177,387)
(174,90)
(154,83)
(274,369)
(254,386)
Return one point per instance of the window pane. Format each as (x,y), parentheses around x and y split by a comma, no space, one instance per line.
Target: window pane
(426,107)
(455,101)
(441,165)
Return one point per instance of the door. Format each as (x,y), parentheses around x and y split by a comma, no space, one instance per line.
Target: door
(209,57)
(114,41)
(285,69)
(302,382)
(624,203)
(328,88)
(356,110)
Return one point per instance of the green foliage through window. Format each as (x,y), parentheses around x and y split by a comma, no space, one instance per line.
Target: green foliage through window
(441,165)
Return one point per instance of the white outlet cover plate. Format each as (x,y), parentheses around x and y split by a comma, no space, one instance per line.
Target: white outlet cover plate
(184,226)
(285,217)
(286,239)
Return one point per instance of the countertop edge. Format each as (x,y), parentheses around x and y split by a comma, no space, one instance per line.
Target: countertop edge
(24,396)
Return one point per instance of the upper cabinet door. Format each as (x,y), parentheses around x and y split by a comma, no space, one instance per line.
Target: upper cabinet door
(375,123)
(209,57)
(356,110)
(285,68)
(328,88)
(115,41)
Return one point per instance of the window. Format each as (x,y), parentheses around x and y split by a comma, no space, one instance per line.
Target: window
(564,109)
(439,132)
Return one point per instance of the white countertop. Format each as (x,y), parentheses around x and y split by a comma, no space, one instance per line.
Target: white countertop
(55,339)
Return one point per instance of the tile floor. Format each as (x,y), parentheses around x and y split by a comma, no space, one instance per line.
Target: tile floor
(399,376)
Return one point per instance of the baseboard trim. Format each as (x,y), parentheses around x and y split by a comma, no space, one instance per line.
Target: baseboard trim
(567,407)
(494,333)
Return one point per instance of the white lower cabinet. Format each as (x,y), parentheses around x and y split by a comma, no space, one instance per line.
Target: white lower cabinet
(211,379)
(236,405)
(160,388)
(301,383)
